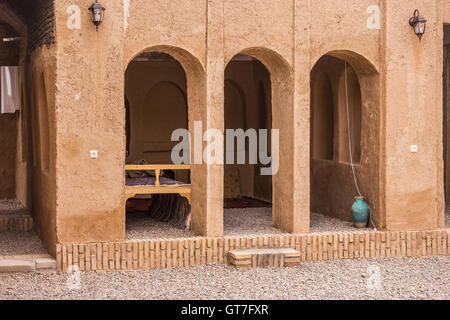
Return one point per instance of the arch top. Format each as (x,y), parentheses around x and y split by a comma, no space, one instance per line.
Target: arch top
(360,63)
(188,61)
(272,60)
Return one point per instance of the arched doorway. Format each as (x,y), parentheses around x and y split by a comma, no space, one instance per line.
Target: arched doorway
(345,131)
(251,89)
(156,90)
(156,105)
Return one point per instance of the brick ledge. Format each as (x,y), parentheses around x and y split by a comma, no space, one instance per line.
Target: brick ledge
(169,253)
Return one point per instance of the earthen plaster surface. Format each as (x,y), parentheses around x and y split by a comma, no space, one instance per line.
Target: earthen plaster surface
(84,199)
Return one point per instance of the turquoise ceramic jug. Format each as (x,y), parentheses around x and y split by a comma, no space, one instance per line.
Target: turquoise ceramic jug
(360,212)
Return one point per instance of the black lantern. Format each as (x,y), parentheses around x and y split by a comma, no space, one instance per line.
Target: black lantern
(96,12)
(419,24)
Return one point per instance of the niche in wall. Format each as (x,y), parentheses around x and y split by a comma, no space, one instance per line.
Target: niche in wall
(322,111)
(351,90)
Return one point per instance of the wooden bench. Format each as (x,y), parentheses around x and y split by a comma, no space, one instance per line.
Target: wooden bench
(158,188)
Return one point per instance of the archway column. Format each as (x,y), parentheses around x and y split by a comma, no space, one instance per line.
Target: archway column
(295,217)
(207,220)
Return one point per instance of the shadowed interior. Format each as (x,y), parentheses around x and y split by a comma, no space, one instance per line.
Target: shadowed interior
(332,184)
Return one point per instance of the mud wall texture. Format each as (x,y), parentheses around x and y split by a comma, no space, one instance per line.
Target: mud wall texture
(40,112)
(8,136)
(288,39)
(446,8)
(413,182)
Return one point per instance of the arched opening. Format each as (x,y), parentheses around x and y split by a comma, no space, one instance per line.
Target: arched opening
(155,106)
(344,110)
(248,194)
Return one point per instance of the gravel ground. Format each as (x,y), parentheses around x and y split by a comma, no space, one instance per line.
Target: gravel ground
(248,221)
(141,226)
(323,223)
(417,278)
(19,243)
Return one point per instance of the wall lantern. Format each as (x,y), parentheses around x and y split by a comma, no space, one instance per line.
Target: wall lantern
(419,24)
(96,12)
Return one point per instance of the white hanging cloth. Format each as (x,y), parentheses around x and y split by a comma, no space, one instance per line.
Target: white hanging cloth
(10,98)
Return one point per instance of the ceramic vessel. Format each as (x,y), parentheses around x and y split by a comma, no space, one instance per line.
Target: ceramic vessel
(360,213)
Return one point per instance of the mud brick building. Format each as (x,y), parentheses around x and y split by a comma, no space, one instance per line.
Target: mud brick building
(154,66)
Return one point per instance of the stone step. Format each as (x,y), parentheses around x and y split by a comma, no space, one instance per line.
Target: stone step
(27,263)
(264,258)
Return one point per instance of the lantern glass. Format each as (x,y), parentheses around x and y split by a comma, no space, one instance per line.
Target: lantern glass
(417,29)
(419,24)
(96,13)
(421,27)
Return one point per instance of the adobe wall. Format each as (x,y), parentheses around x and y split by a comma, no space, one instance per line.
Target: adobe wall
(412,115)
(446,11)
(40,110)
(8,137)
(288,39)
